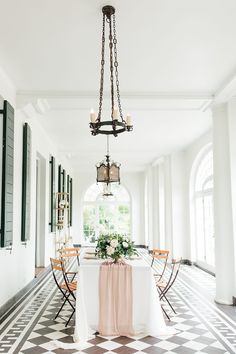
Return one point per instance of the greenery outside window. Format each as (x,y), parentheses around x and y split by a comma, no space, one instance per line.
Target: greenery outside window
(106,214)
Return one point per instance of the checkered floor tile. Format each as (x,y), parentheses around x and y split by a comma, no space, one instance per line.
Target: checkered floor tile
(31,329)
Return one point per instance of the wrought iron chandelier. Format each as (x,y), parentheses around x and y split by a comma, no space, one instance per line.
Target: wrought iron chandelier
(117,124)
(108,172)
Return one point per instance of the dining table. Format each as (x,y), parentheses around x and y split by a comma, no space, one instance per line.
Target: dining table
(147,313)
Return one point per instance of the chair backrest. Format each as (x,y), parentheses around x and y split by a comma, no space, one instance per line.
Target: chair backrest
(68,253)
(71,250)
(160,254)
(58,271)
(56,264)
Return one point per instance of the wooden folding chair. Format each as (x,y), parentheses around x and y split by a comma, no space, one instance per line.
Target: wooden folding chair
(164,286)
(68,254)
(162,257)
(66,288)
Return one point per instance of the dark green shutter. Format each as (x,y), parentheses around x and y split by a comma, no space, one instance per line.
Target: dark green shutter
(26,184)
(59,179)
(68,184)
(52,222)
(7,175)
(63,180)
(71,201)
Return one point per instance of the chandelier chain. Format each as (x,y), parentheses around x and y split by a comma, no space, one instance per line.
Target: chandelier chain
(111,66)
(108,145)
(117,123)
(116,68)
(102,69)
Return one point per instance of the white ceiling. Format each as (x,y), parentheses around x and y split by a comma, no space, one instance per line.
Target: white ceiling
(173,57)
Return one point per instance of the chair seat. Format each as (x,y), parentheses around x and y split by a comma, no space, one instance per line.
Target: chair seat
(161,284)
(72,286)
(70,272)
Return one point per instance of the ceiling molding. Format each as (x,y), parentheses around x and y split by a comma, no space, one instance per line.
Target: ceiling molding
(130,95)
(132,101)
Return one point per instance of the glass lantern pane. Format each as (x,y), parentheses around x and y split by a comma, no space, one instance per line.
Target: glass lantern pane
(114,173)
(102,173)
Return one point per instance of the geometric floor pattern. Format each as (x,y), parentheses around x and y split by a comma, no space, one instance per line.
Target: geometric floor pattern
(203,327)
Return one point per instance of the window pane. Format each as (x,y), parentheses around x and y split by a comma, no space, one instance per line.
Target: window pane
(204,210)
(209,229)
(107,216)
(89,223)
(200,230)
(205,170)
(124,219)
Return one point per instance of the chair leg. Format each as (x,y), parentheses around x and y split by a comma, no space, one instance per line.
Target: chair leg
(61,307)
(70,317)
(165,313)
(169,304)
(66,300)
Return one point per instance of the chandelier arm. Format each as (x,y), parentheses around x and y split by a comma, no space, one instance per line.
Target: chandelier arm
(116,69)
(111,65)
(102,70)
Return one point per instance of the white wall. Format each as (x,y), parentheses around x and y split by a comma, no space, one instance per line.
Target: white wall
(134,182)
(17,267)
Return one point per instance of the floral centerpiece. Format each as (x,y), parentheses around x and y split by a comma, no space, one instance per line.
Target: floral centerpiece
(114,246)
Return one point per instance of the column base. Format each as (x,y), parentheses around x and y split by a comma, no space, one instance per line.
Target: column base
(223,302)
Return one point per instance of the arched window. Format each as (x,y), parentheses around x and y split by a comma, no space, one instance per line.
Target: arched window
(203,208)
(106,214)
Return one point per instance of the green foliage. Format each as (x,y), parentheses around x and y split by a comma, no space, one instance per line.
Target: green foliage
(114,246)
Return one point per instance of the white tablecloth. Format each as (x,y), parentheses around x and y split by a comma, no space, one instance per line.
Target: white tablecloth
(147,314)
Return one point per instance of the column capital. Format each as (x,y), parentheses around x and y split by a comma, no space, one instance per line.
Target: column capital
(219,107)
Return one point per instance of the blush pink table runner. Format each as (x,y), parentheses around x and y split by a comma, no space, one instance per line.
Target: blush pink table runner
(115,299)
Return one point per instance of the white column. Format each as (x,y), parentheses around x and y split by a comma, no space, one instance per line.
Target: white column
(224,243)
(232,140)
(161,193)
(168,204)
(155,207)
(178,187)
(150,207)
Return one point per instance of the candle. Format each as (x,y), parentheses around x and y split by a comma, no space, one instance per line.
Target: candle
(128,120)
(115,113)
(92,116)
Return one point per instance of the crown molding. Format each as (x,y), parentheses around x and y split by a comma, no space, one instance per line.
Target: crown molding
(141,101)
(130,95)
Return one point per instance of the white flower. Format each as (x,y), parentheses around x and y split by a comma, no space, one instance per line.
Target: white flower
(125,244)
(114,243)
(110,250)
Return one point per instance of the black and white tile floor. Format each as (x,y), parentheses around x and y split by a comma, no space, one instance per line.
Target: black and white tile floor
(203,327)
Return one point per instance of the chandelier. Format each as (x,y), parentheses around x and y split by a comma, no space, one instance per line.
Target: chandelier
(108,171)
(117,123)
